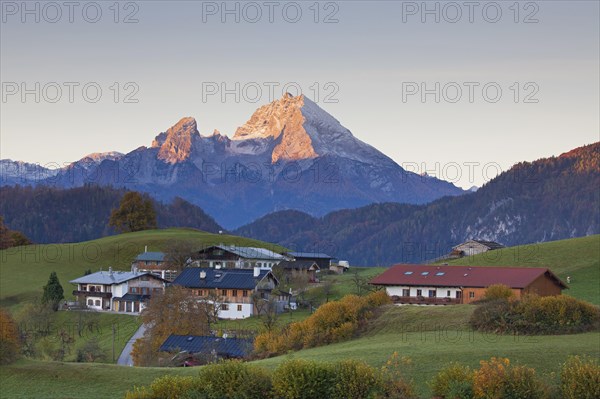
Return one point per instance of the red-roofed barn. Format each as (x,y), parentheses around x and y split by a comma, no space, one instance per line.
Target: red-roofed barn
(431,284)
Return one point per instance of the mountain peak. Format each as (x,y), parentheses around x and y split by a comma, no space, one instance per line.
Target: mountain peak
(176,143)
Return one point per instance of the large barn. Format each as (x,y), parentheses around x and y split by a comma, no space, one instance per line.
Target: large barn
(441,285)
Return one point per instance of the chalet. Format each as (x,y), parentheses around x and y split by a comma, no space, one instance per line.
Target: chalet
(474,247)
(117,291)
(321,259)
(294,268)
(155,263)
(234,288)
(234,257)
(202,349)
(441,285)
(340,268)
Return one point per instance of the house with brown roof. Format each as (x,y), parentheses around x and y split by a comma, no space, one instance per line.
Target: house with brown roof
(445,285)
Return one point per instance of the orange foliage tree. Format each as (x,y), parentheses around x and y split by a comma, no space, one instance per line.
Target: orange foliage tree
(9,338)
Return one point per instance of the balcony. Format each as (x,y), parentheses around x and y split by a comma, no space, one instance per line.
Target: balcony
(100,294)
(420,300)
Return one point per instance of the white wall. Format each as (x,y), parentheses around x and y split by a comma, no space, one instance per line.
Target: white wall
(441,292)
(234,313)
(93,298)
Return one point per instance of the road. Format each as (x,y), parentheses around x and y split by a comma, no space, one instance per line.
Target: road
(125,357)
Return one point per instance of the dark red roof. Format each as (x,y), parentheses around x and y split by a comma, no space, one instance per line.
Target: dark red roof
(462,276)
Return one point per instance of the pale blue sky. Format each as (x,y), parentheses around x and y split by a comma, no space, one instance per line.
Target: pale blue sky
(370,54)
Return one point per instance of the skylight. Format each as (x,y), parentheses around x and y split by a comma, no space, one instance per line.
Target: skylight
(424,273)
(408,272)
(440,273)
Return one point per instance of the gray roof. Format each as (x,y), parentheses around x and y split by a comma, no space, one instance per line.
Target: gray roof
(489,244)
(298,264)
(250,252)
(314,255)
(151,256)
(108,277)
(242,279)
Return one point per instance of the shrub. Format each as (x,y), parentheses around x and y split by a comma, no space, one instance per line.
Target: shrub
(580,378)
(536,315)
(497,379)
(90,351)
(354,379)
(235,380)
(9,338)
(498,291)
(393,383)
(303,379)
(453,382)
(522,383)
(173,387)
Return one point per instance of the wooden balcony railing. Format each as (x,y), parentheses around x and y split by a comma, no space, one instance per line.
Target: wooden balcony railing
(93,293)
(420,300)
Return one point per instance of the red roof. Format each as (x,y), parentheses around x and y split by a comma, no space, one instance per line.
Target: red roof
(462,276)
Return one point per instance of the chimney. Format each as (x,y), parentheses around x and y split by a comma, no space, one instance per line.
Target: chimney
(202,275)
(145,248)
(256,271)
(110,270)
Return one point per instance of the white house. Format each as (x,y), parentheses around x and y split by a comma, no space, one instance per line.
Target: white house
(234,288)
(234,257)
(116,290)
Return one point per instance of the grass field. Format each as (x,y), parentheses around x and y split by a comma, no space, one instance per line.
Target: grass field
(578,258)
(25,270)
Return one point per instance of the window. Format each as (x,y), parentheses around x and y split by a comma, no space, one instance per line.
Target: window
(239,308)
(224,306)
(448,293)
(405,292)
(440,273)
(144,278)
(459,294)
(144,291)
(223,292)
(234,293)
(245,293)
(407,273)
(97,302)
(471,294)
(90,302)
(259,264)
(432,293)
(419,292)
(424,273)
(133,290)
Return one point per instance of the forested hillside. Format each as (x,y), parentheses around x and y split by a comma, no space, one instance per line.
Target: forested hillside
(50,215)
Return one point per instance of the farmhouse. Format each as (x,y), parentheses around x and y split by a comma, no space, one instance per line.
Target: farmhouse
(234,257)
(296,268)
(155,263)
(442,285)
(321,259)
(474,247)
(118,291)
(233,288)
(203,349)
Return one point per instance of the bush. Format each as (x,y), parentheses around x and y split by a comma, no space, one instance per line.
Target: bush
(234,380)
(354,379)
(580,378)
(498,291)
(536,315)
(9,338)
(303,379)
(453,382)
(90,351)
(497,379)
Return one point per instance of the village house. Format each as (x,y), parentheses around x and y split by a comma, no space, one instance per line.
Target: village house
(444,285)
(234,257)
(155,263)
(474,247)
(295,268)
(321,259)
(340,268)
(118,291)
(195,350)
(233,288)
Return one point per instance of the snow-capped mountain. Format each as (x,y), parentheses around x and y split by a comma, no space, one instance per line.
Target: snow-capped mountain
(291,154)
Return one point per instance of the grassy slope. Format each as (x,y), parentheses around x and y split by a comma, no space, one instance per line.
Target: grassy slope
(25,270)
(578,258)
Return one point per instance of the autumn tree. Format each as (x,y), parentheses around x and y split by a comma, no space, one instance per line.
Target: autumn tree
(175,311)
(266,309)
(11,238)
(135,213)
(9,338)
(53,292)
(178,253)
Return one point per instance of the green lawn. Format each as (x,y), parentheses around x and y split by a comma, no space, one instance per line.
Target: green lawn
(25,270)
(578,258)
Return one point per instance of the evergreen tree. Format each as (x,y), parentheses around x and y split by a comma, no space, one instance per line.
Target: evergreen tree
(135,213)
(53,292)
